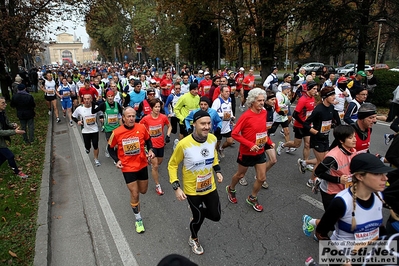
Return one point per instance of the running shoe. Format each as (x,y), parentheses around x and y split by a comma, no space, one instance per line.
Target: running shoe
(58,120)
(195,246)
(139,226)
(242,108)
(63,116)
(49,112)
(175,142)
(87,151)
(280,147)
(289,150)
(22,175)
(316,186)
(159,190)
(254,203)
(231,195)
(309,183)
(315,238)
(71,123)
(106,153)
(282,132)
(309,167)
(387,138)
(243,181)
(221,153)
(307,228)
(264,184)
(272,134)
(301,166)
(97,162)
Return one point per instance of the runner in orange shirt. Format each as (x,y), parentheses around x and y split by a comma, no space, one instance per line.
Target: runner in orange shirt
(155,123)
(132,158)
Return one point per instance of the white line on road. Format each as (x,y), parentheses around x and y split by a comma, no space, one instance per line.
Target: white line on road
(312,201)
(119,238)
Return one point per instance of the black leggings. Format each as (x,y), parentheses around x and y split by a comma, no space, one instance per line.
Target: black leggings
(211,211)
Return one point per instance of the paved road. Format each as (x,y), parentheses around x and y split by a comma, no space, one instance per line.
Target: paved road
(92,222)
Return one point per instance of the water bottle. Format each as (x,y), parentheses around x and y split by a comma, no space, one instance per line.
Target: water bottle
(311,262)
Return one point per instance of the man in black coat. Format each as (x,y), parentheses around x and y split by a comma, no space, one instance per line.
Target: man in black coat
(25,105)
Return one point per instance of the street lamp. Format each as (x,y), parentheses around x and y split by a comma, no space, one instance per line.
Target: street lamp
(380,21)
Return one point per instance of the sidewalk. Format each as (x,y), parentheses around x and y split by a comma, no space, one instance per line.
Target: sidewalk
(67,215)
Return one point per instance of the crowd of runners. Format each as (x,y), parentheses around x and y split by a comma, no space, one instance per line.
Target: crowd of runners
(140,111)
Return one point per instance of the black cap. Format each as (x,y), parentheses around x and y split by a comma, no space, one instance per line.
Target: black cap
(286,75)
(199,114)
(176,260)
(311,84)
(205,99)
(368,163)
(193,86)
(21,87)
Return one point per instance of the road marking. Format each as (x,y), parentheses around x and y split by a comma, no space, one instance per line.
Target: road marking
(312,201)
(119,238)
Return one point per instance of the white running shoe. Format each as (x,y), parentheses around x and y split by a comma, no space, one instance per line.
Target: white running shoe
(97,162)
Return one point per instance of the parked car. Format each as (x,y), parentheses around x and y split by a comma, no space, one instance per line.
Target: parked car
(319,70)
(380,66)
(310,66)
(396,69)
(349,69)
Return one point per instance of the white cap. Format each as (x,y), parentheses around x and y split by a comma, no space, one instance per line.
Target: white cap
(131,77)
(206,73)
(153,81)
(242,69)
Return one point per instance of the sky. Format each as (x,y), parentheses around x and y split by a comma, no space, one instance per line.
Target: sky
(80,31)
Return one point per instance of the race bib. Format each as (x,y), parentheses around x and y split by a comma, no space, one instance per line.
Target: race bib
(226,116)
(251,84)
(206,89)
(325,126)
(155,131)
(90,120)
(363,239)
(349,183)
(269,124)
(112,119)
(285,110)
(233,89)
(66,93)
(341,115)
(204,182)
(50,92)
(131,146)
(261,139)
(136,106)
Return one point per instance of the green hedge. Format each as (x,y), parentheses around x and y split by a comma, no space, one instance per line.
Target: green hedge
(387,81)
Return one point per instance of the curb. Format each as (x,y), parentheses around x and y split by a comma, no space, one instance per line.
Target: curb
(42,243)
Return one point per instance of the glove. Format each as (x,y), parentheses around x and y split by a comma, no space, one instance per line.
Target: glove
(281,112)
(218,131)
(167,139)
(190,130)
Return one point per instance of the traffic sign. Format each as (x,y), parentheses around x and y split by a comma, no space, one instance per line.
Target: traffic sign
(138,48)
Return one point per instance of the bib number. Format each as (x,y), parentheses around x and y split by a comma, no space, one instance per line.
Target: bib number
(131,146)
(261,139)
(204,182)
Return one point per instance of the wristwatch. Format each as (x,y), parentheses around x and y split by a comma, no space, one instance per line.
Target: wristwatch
(175,185)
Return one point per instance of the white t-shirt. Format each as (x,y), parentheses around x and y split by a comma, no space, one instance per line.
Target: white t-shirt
(89,119)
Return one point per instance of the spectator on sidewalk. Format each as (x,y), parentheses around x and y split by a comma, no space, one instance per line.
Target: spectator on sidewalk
(8,129)
(25,105)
